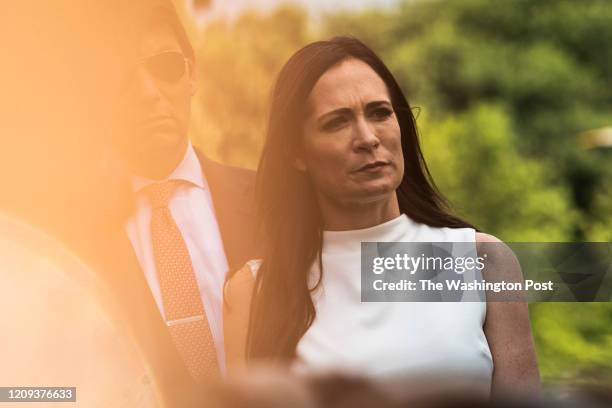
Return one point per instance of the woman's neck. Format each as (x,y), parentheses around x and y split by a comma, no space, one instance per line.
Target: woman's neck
(343,217)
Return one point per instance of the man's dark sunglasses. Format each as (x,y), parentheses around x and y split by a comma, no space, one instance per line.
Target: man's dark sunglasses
(167,66)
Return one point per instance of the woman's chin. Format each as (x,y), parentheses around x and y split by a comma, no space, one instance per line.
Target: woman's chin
(372,192)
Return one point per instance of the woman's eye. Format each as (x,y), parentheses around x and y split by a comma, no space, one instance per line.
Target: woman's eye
(333,124)
(381,113)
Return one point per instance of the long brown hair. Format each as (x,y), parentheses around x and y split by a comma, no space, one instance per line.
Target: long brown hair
(282,308)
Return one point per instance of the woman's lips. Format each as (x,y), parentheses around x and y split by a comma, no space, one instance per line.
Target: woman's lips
(373,167)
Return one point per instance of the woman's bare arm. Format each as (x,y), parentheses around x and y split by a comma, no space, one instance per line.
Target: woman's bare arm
(507,326)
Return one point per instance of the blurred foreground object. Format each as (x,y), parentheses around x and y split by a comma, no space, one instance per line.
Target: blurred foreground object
(60,329)
(272,387)
(200,5)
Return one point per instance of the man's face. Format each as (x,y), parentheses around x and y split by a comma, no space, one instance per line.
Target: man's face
(154,107)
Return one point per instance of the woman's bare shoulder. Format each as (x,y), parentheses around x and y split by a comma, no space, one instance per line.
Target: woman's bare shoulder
(242,280)
(253,266)
(500,259)
(484,237)
(247,272)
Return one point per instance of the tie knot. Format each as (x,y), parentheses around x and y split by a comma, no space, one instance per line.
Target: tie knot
(159,194)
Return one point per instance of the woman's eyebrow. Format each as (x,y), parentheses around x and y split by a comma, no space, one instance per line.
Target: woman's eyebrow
(376,104)
(338,111)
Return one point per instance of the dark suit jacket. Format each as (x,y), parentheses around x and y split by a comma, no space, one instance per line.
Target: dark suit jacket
(232,191)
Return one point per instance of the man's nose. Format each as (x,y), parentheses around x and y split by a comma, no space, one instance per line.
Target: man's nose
(365,137)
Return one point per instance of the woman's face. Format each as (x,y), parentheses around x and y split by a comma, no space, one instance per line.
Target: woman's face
(351,137)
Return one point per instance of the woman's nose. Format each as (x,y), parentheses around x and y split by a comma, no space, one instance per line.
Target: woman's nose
(365,136)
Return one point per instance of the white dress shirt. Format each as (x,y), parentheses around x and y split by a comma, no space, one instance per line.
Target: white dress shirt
(192,209)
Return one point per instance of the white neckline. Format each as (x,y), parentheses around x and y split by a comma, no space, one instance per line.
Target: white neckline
(389,231)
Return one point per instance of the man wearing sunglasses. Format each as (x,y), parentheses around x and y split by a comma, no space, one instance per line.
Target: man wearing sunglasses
(191,222)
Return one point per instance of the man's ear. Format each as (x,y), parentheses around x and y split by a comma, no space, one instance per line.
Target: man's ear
(193,76)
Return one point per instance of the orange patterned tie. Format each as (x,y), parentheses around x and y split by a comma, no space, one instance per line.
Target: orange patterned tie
(185,315)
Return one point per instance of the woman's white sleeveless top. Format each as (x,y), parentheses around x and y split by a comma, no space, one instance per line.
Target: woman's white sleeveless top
(390,339)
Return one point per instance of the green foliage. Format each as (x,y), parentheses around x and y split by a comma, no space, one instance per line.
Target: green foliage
(601,228)
(574,341)
(473,157)
(236,68)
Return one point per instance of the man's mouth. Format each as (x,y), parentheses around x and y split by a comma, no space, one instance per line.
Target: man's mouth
(156,121)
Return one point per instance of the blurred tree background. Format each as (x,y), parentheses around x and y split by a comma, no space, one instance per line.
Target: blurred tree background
(502,91)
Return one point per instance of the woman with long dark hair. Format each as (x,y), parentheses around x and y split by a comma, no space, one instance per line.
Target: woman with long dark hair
(341,165)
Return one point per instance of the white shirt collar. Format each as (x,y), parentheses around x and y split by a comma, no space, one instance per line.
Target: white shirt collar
(189,170)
